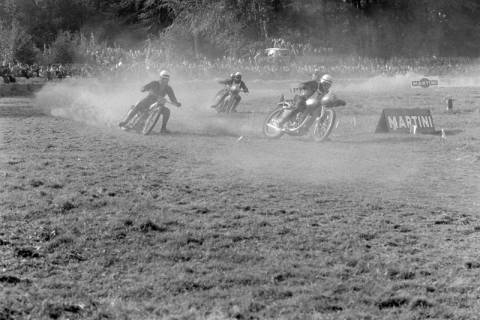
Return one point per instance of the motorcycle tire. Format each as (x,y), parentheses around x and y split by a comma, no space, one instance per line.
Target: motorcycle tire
(150,122)
(137,123)
(268,131)
(230,105)
(322,127)
(221,107)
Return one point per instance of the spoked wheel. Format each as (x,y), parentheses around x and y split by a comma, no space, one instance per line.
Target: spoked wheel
(151,121)
(132,124)
(322,127)
(270,130)
(230,105)
(223,105)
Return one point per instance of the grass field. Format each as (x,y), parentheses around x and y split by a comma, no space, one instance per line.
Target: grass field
(97,223)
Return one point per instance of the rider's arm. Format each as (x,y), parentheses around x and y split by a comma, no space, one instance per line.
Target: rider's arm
(243,87)
(226,81)
(171,95)
(147,87)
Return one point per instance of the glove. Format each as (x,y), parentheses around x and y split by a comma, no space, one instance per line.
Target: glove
(178,104)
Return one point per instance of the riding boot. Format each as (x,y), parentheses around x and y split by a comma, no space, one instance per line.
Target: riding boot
(237,102)
(165,116)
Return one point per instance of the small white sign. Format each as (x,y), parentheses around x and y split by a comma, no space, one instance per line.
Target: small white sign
(425,82)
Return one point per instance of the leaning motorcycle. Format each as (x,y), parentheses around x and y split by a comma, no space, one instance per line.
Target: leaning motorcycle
(144,122)
(228,104)
(317,120)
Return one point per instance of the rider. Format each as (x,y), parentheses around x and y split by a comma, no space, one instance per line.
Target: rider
(222,94)
(235,78)
(319,84)
(157,90)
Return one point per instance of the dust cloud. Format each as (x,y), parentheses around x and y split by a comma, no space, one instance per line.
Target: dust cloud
(101,103)
(355,155)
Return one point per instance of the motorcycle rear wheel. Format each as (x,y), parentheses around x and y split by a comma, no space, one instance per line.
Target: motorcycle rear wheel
(268,130)
(150,122)
(322,127)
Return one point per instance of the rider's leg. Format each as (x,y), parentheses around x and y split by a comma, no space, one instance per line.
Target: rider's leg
(237,101)
(165,116)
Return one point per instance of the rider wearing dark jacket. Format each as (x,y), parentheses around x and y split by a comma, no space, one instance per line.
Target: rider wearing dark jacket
(157,90)
(237,79)
(319,84)
(222,94)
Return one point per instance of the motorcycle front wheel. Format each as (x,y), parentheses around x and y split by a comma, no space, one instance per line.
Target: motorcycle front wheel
(223,105)
(151,121)
(269,128)
(230,105)
(322,127)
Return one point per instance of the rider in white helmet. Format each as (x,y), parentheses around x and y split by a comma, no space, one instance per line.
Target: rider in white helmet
(222,94)
(157,90)
(326,82)
(237,79)
(319,83)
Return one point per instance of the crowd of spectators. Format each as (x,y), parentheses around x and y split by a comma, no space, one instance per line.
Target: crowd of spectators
(117,63)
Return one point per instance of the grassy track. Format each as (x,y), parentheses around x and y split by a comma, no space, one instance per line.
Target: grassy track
(101,224)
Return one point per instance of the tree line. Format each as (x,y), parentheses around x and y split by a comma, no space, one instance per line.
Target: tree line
(212,28)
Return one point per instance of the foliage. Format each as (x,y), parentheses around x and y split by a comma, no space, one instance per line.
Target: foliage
(64,48)
(378,28)
(16,44)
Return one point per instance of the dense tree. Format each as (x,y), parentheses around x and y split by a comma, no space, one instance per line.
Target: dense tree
(381,28)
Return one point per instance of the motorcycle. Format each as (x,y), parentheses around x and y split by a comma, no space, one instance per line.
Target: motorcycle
(144,122)
(317,120)
(229,103)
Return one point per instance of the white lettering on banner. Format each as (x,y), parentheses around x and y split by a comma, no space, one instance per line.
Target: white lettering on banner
(408,121)
(425,121)
(392,122)
(402,120)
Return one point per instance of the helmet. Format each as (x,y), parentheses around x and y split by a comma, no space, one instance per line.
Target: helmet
(326,78)
(237,76)
(164,74)
(232,75)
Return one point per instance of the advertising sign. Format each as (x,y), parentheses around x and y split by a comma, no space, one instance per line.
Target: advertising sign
(404,120)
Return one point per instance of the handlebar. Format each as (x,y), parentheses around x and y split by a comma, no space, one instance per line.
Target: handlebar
(168,102)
